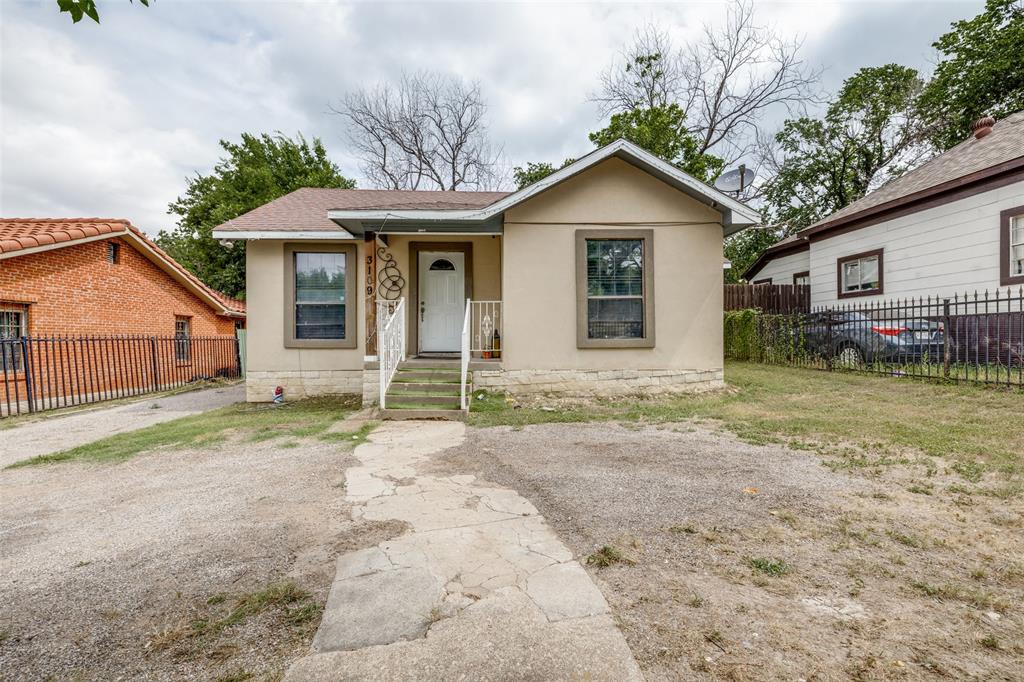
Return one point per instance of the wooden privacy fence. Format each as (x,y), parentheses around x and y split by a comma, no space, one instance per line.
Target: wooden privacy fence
(48,373)
(769,298)
(972,338)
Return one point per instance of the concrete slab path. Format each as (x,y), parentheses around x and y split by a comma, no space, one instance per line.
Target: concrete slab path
(56,432)
(479,588)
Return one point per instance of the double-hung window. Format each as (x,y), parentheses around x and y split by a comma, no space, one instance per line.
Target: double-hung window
(615,288)
(1011,240)
(860,274)
(13,325)
(320,296)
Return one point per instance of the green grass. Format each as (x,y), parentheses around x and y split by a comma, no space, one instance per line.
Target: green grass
(769,566)
(836,413)
(607,556)
(257,422)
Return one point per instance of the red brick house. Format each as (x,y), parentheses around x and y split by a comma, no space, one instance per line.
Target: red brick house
(85,276)
(106,312)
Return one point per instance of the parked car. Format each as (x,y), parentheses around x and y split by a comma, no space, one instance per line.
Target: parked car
(853,338)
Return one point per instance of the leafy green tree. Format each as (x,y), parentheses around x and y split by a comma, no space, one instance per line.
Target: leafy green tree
(85,8)
(259,169)
(661,130)
(981,72)
(532,172)
(870,133)
(743,249)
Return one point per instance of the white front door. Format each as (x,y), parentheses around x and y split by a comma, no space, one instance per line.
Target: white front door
(442,304)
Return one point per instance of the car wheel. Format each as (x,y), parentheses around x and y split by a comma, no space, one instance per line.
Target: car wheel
(850,356)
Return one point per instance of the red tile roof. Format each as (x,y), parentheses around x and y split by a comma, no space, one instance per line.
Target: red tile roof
(306,209)
(18,234)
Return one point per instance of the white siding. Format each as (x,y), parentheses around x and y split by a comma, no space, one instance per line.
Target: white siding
(781,269)
(952,248)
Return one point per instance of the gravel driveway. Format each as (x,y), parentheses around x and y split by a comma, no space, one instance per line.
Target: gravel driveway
(117,571)
(55,432)
(745,562)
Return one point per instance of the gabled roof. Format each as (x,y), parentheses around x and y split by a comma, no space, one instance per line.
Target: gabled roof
(305,209)
(973,165)
(790,244)
(294,215)
(971,161)
(25,236)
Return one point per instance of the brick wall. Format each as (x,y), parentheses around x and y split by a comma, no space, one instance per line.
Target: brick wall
(75,290)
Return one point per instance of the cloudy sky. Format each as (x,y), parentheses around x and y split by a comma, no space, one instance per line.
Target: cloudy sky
(110,119)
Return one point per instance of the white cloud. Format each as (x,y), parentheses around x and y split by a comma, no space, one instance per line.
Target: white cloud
(109,120)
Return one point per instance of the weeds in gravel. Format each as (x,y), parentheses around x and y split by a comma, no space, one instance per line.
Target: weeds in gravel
(607,556)
(855,421)
(978,598)
(300,419)
(769,566)
(990,642)
(292,605)
(906,539)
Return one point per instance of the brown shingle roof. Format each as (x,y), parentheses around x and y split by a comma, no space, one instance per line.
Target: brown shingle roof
(306,209)
(18,234)
(1004,144)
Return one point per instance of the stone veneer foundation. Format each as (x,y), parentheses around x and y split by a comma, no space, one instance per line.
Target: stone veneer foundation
(584,383)
(259,386)
(574,383)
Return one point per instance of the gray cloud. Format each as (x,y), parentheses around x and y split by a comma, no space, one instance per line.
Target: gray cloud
(109,120)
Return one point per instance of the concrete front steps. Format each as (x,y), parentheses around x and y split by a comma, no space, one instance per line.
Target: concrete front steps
(425,390)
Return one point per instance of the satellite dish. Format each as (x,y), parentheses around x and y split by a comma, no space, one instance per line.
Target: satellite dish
(735,180)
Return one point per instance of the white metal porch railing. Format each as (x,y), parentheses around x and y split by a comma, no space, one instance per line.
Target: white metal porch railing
(481,336)
(485,328)
(390,343)
(465,355)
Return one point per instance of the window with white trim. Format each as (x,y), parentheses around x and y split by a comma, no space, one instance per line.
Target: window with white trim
(1017,246)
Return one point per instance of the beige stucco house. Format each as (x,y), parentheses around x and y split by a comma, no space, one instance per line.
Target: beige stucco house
(603,278)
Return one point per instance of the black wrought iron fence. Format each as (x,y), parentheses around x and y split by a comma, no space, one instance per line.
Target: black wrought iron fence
(975,337)
(46,373)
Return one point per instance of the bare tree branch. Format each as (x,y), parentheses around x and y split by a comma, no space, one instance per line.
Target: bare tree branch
(725,82)
(427,132)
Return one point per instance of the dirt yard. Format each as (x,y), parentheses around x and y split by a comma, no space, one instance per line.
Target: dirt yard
(725,560)
(206,563)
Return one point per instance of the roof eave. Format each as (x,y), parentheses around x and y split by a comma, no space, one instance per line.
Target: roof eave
(1006,167)
(735,215)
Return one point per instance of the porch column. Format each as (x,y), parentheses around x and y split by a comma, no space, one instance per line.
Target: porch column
(370,246)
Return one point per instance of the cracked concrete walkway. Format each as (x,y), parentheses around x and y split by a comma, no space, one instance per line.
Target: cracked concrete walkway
(479,587)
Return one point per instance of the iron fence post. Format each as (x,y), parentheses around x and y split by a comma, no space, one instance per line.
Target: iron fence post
(155,363)
(946,330)
(828,339)
(26,363)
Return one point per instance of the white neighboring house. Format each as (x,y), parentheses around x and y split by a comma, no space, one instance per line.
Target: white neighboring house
(953,225)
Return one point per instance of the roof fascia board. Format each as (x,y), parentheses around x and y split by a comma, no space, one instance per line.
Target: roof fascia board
(58,245)
(283,234)
(177,275)
(1007,167)
(147,251)
(772,253)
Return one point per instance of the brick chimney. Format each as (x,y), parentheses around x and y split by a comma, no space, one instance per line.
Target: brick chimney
(983,126)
